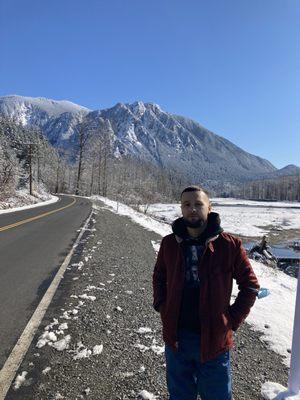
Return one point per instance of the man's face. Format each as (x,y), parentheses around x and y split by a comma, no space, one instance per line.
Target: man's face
(195,207)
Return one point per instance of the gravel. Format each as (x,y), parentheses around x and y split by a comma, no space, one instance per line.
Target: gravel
(115,350)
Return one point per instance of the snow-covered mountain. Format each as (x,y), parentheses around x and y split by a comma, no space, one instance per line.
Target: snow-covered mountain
(145,131)
(178,143)
(44,113)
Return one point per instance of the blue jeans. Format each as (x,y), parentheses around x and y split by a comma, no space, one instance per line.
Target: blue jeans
(187,376)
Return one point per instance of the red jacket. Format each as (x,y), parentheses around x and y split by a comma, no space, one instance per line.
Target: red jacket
(223,260)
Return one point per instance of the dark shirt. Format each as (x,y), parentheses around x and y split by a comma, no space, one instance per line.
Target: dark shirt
(189,318)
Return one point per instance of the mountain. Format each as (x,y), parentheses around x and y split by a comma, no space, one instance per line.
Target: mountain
(44,113)
(178,143)
(289,170)
(24,108)
(145,131)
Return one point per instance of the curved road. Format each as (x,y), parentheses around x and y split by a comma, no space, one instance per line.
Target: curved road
(33,244)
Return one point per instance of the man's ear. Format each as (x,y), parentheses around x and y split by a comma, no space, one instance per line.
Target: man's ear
(209,207)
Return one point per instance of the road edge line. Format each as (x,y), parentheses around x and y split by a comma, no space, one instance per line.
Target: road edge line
(13,362)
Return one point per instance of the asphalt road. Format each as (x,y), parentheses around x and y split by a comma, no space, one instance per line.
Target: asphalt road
(30,254)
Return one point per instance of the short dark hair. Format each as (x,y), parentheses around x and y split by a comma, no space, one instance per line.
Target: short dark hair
(194,188)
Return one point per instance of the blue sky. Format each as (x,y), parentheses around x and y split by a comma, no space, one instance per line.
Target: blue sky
(231,65)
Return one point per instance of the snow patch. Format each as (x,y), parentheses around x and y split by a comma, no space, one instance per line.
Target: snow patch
(46,370)
(142,347)
(87,297)
(45,338)
(62,344)
(159,350)
(155,245)
(144,395)
(272,391)
(97,349)
(144,330)
(20,380)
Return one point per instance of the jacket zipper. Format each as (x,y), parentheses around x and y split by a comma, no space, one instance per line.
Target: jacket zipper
(200,264)
(181,289)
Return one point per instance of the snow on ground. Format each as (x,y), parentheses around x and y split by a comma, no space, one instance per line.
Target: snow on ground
(244,217)
(231,201)
(142,219)
(273,315)
(254,221)
(54,334)
(275,391)
(20,380)
(144,395)
(23,201)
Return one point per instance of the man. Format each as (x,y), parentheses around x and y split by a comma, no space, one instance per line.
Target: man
(263,249)
(192,284)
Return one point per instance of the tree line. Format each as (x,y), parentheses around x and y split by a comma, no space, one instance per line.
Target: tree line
(285,188)
(90,166)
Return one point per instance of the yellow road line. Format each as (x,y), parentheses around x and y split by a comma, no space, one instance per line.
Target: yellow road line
(25,221)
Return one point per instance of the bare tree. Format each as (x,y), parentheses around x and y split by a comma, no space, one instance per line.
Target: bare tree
(82,135)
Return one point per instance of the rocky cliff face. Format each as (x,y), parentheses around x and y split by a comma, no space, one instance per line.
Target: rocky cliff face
(146,131)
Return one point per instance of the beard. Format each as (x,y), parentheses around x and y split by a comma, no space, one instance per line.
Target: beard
(199,223)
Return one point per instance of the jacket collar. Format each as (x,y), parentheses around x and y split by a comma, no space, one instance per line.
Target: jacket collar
(211,233)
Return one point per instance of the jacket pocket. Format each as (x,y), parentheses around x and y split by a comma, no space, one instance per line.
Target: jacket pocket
(220,333)
(219,269)
(226,329)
